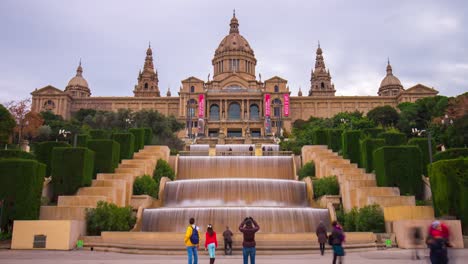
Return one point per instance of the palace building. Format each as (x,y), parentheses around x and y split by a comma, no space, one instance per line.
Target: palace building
(234,104)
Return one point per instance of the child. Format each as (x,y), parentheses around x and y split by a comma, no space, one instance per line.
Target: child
(211,243)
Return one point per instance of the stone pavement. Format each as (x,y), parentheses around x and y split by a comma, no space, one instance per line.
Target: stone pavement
(92,257)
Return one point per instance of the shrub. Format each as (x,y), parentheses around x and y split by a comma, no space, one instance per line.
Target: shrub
(334,141)
(449,186)
(370,219)
(399,166)
(109,217)
(307,170)
(320,137)
(350,219)
(127,144)
(373,132)
(452,153)
(423,145)
(106,155)
(351,146)
(98,134)
(148,135)
(163,170)
(145,185)
(20,187)
(44,152)
(139,134)
(82,140)
(290,145)
(326,186)
(368,146)
(393,138)
(16,154)
(72,168)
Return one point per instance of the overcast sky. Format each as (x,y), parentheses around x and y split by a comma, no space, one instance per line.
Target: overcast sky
(41,42)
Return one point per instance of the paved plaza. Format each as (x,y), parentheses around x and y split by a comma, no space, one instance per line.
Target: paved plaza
(93,257)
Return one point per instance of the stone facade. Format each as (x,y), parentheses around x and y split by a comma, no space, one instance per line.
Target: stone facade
(235,102)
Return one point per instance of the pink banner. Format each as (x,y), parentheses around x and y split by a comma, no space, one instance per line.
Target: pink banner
(201,105)
(286,104)
(267,105)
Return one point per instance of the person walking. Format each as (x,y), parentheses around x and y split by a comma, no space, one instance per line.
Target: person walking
(336,240)
(227,234)
(211,243)
(322,236)
(249,227)
(192,240)
(438,241)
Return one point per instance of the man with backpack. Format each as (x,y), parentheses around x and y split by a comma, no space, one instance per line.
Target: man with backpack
(192,240)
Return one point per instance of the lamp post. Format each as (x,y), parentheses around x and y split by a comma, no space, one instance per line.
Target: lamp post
(346,121)
(419,133)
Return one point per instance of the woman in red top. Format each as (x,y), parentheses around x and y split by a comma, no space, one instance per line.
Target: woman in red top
(211,242)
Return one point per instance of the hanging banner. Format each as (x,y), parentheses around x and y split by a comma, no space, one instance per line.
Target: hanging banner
(267,105)
(286,104)
(267,126)
(201,105)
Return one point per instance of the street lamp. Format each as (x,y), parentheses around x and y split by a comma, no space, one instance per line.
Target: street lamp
(419,133)
(346,121)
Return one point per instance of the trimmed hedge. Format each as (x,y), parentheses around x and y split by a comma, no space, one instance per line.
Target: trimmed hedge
(72,168)
(16,154)
(334,141)
(307,170)
(320,137)
(139,134)
(368,146)
(423,145)
(449,186)
(393,138)
(326,186)
(452,153)
(106,155)
(109,217)
(82,140)
(98,134)
(400,166)
(373,132)
(127,144)
(369,218)
(21,187)
(148,135)
(44,152)
(163,169)
(351,145)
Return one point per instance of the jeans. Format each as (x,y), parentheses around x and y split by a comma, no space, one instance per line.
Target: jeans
(192,253)
(249,252)
(227,247)
(211,250)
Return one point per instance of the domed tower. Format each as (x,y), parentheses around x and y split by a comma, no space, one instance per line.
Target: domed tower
(78,86)
(320,79)
(234,55)
(390,85)
(148,79)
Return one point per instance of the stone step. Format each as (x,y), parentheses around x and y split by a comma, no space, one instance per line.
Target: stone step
(149,165)
(120,187)
(355,176)
(347,186)
(80,201)
(62,213)
(362,193)
(128,178)
(141,167)
(109,192)
(408,212)
(386,201)
(135,172)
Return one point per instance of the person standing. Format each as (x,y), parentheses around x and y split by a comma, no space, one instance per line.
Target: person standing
(227,234)
(321,232)
(211,243)
(438,241)
(192,240)
(336,240)
(249,227)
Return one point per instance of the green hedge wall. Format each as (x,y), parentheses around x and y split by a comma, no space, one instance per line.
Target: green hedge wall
(72,168)
(452,153)
(98,134)
(400,166)
(44,152)
(148,135)
(109,217)
(82,140)
(139,134)
(368,146)
(423,145)
(334,141)
(21,187)
(106,155)
(163,169)
(127,144)
(351,145)
(16,154)
(373,132)
(320,137)
(449,186)
(393,138)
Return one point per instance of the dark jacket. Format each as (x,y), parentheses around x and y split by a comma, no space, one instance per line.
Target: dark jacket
(337,236)
(227,234)
(249,233)
(321,233)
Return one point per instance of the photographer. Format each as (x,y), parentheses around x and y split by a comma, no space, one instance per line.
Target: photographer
(249,227)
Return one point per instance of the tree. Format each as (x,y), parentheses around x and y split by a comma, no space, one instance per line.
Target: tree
(384,115)
(7,124)
(18,110)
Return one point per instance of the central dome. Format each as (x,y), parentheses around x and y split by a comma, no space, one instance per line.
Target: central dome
(234,41)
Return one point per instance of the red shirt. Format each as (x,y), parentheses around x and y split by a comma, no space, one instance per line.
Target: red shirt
(211,239)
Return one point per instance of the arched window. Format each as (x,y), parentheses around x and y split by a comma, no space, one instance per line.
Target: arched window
(277,107)
(254,112)
(49,105)
(322,85)
(234,112)
(192,105)
(214,112)
(192,89)
(146,85)
(276,89)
